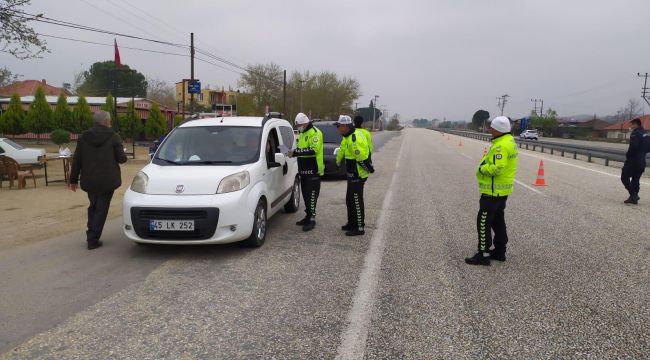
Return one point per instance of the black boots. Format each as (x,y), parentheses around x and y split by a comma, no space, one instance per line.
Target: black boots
(309,226)
(498,256)
(95,245)
(479,259)
(354,232)
(633,199)
(304,221)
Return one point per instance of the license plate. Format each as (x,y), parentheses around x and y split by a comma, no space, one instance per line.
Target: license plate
(171,225)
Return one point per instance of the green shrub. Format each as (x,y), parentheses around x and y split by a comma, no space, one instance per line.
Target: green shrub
(60,136)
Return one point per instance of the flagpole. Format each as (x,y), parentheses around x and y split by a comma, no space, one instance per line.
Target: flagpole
(116,122)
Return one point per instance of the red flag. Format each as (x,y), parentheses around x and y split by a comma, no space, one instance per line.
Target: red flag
(118,63)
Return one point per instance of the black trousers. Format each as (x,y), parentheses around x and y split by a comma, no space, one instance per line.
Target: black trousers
(630,176)
(354,202)
(491,217)
(310,186)
(97,213)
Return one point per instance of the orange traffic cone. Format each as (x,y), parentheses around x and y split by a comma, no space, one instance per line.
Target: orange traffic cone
(484,151)
(448,138)
(460,142)
(540,175)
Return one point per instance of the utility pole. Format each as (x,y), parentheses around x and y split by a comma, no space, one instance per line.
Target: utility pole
(374,106)
(192,72)
(301,82)
(534,106)
(541,109)
(645,94)
(284,94)
(502,102)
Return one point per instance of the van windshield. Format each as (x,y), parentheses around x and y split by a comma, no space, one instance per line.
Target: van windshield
(210,145)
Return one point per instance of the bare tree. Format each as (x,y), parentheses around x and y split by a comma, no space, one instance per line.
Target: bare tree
(632,109)
(264,83)
(7,77)
(16,37)
(162,92)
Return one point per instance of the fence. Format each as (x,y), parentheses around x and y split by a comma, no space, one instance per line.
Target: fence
(32,136)
(589,152)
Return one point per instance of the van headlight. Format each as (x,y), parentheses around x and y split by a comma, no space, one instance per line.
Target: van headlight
(139,183)
(234,182)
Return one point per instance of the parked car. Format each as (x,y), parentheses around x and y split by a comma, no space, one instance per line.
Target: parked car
(21,154)
(214,181)
(331,143)
(529,135)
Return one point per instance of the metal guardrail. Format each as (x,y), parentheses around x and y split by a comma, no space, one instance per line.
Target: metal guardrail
(591,152)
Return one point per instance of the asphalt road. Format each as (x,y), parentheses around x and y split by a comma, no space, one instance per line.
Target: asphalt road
(575,284)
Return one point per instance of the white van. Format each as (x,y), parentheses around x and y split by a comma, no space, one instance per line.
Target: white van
(212,181)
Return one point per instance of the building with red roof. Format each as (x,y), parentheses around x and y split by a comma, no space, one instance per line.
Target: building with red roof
(29,87)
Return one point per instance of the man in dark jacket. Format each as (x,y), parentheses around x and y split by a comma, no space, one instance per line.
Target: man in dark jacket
(635,163)
(97,157)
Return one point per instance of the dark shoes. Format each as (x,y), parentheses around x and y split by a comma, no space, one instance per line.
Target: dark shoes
(478,259)
(347,227)
(95,245)
(633,199)
(498,256)
(303,222)
(309,226)
(355,232)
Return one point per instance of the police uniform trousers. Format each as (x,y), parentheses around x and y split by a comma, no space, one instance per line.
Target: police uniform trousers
(354,202)
(631,175)
(490,218)
(310,187)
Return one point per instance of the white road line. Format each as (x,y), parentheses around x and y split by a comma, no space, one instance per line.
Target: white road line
(353,339)
(517,181)
(529,188)
(562,162)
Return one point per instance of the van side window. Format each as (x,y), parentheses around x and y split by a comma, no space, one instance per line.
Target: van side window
(2,151)
(272,145)
(287,135)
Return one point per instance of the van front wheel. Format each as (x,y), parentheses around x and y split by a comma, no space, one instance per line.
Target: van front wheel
(258,235)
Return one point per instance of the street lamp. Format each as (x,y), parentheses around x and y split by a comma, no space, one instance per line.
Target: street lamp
(374,106)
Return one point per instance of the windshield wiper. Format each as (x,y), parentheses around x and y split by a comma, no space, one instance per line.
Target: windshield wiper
(210,162)
(169,161)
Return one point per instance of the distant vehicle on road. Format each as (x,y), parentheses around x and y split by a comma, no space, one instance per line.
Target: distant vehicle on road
(21,154)
(214,181)
(529,135)
(331,143)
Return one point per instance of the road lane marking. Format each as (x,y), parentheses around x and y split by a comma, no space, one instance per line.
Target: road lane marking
(529,188)
(353,339)
(562,162)
(517,181)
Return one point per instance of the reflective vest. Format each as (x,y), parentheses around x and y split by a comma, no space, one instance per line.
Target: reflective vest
(496,173)
(368,136)
(354,149)
(310,152)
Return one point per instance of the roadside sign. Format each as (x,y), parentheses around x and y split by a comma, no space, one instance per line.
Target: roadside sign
(194,87)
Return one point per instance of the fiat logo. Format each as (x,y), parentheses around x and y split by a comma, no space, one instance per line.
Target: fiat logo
(179,189)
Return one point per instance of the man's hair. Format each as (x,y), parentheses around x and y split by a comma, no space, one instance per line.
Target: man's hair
(636,122)
(358,121)
(101,117)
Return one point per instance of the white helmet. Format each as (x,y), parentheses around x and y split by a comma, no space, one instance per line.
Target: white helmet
(301,119)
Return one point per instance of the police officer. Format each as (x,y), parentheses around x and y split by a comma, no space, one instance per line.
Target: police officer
(354,150)
(310,167)
(496,177)
(358,124)
(635,162)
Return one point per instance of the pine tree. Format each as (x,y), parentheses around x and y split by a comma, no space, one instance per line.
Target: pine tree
(39,115)
(155,125)
(131,121)
(62,117)
(13,119)
(82,116)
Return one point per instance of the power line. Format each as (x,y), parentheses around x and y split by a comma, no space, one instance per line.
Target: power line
(116,17)
(111,45)
(47,20)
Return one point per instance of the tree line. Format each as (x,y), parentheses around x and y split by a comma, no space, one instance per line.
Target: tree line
(322,95)
(40,118)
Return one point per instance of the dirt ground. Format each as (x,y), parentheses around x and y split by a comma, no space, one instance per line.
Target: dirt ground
(36,214)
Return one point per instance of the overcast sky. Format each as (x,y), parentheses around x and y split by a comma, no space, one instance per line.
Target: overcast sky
(425,59)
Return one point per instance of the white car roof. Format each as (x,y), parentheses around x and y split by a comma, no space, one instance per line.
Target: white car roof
(255,121)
